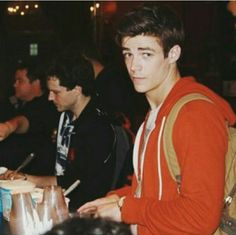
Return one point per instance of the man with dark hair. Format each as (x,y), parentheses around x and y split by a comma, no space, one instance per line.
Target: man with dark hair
(151,38)
(30,127)
(114,90)
(85,138)
(90,226)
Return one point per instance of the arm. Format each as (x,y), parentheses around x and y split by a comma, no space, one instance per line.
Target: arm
(106,206)
(121,191)
(98,203)
(200,141)
(39,181)
(19,124)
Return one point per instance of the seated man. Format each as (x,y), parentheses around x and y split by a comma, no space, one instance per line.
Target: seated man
(30,129)
(85,138)
(114,89)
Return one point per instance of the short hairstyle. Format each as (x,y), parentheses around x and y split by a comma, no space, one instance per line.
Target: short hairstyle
(90,226)
(153,20)
(72,71)
(35,71)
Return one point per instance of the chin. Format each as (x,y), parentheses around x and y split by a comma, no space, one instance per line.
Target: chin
(140,89)
(60,109)
(18,97)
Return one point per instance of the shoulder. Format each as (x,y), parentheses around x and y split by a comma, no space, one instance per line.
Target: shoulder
(200,119)
(94,120)
(200,110)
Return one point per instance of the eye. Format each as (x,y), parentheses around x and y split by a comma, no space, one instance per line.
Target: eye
(55,92)
(146,54)
(19,81)
(127,55)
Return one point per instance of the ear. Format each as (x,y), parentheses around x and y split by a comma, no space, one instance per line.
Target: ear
(36,82)
(174,54)
(78,89)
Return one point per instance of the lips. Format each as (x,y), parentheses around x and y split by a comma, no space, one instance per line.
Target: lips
(137,79)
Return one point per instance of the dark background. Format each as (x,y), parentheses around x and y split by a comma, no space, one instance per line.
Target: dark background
(210,48)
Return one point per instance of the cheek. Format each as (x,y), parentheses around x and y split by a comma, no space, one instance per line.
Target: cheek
(57,99)
(128,65)
(26,87)
(155,66)
(61,100)
(21,88)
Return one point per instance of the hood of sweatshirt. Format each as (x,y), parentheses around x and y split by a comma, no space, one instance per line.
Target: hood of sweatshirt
(188,85)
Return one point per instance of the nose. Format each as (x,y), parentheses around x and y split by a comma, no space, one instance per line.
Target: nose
(135,64)
(51,96)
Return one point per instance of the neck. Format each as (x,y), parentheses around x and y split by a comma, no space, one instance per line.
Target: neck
(80,105)
(157,96)
(36,90)
(97,67)
(38,93)
(34,94)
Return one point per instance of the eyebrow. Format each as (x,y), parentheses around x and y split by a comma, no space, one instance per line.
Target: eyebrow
(125,49)
(139,49)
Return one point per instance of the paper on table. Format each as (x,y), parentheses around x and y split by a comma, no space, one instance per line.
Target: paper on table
(2,170)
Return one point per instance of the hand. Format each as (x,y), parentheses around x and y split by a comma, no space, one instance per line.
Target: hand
(109,210)
(11,175)
(98,202)
(5,130)
(91,208)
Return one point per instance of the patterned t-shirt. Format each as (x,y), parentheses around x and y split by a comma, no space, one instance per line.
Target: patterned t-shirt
(65,131)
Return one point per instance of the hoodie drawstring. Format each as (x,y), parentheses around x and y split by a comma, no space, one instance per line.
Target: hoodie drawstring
(159,157)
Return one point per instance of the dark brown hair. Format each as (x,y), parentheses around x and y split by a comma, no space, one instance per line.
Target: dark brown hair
(153,20)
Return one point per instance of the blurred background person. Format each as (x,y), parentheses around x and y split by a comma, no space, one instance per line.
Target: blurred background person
(114,90)
(115,96)
(31,121)
(85,137)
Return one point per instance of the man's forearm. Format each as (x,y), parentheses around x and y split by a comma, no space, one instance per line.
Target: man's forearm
(41,181)
(18,124)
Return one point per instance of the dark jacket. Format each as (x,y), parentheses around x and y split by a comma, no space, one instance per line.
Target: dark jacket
(89,158)
(43,118)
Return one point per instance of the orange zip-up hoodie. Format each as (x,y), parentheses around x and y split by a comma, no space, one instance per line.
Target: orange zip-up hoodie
(200,140)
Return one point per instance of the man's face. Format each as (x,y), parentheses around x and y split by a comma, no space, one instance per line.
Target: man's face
(63,98)
(147,67)
(22,85)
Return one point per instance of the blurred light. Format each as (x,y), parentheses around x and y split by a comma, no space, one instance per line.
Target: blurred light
(33,47)
(95,9)
(19,7)
(10,9)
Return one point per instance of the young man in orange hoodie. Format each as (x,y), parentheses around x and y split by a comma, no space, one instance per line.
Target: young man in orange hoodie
(151,39)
